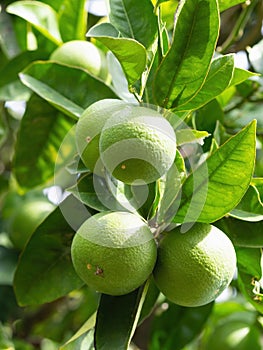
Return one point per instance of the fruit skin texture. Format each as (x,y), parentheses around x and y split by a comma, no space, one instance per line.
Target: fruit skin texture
(137,145)
(82,54)
(27,218)
(194,268)
(89,128)
(114,252)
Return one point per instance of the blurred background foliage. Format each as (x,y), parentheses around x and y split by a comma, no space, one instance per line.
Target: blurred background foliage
(233,323)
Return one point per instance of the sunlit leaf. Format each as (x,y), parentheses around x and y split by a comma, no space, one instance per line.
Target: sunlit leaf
(183,70)
(137,22)
(218,184)
(40,15)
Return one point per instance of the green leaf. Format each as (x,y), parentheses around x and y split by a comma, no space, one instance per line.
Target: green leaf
(241,75)
(250,207)
(242,233)
(53,82)
(8,261)
(76,342)
(40,15)
(37,149)
(11,87)
(225,4)
(184,136)
(72,18)
(169,186)
(175,327)
(218,78)
(183,70)
(105,193)
(117,318)
(136,21)
(150,300)
(218,184)
(249,275)
(45,271)
(125,50)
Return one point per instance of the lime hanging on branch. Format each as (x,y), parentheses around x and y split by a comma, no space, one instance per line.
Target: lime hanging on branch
(137,145)
(195,267)
(114,252)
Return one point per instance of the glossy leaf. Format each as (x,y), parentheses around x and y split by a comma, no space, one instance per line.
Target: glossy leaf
(218,78)
(40,15)
(249,275)
(117,318)
(184,69)
(125,50)
(11,87)
(37,149)
(218,184)
(134,21)
(47,257)
(72,18)
(175,327)
(242,233)
(53,82)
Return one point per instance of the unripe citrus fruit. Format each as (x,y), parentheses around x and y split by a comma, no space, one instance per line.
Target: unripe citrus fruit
(194,268)
(114,252)
(89,127)
(27,218)
(137,145)
(82,54)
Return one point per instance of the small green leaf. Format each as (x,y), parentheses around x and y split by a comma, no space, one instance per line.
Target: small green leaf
(219,183)
(135,21)
(175,327)
(72,18)
(218,78)
(241,75)
(225,4)
(242,233)
(117,318)
(40,15)
(184,136)
(183,70)
(75,342)
(249,275)
(47,257)
(125,50)
(53,82)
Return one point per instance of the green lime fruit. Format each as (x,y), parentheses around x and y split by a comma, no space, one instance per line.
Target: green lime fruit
(27,218)
(194,268)
(82,54)
(137,145)
(114,252)
(89,127)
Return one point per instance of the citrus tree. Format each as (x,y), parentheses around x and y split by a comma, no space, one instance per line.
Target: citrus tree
(131,175)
